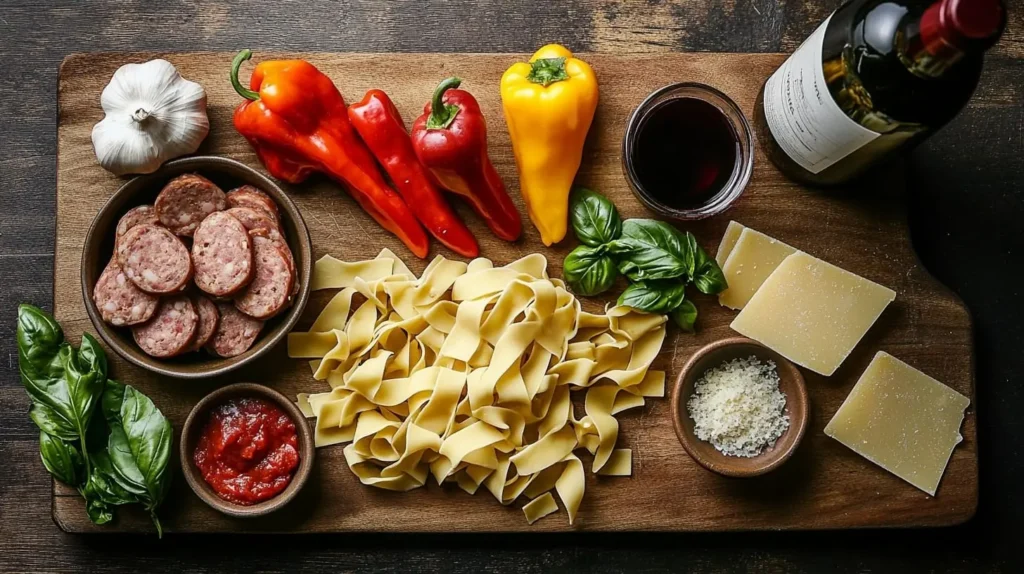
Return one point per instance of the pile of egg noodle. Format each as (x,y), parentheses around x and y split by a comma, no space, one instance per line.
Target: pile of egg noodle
(465,375)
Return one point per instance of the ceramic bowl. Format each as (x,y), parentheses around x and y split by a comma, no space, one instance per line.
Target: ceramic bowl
(193,428)
(791,383)
(99,248)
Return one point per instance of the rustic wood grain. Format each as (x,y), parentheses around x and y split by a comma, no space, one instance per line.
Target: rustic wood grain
(965,213)
(824,486)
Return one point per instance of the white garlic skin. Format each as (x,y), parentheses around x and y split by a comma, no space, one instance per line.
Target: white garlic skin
(152,115)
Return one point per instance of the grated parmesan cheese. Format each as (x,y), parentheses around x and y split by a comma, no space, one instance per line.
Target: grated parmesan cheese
(738,407)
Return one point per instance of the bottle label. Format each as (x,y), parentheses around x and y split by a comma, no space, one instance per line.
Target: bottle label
(802,115)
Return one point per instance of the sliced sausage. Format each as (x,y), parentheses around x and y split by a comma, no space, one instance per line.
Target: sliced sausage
(287,252)
(119,301)
(222,254)
(208,318)
(171,331)
(154,259)
(250,196)
(135,216)
(271,286)
(257,221)
(278,239)
(186,200)
(235,332)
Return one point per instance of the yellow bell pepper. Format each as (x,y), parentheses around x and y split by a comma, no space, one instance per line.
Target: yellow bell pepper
(549,104)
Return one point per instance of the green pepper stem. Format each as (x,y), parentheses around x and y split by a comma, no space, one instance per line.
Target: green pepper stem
(546,71)
(442,115)
(235,65)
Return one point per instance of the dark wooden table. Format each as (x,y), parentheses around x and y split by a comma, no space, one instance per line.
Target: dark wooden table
(967,208)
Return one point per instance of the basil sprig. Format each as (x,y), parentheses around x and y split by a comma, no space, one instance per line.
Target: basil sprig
(659,259)
(654,296)
(589,271)
(98,435)
(595,219)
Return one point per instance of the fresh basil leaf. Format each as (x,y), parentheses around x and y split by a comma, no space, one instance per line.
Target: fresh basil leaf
(92,358)
(639,261)
(654,296)
(39,340)
(51,423)
(97,510)
(125,470)
(64,383)
(61,459)
(685,316)
(83,383)
(697,255)
(149,436)
(651,249)
(589,272)
(138,446)
(711,281)
(594,217)
(113,397)
(708,276)
(102,484)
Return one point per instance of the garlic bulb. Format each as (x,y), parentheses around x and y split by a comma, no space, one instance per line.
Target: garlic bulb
(152,115)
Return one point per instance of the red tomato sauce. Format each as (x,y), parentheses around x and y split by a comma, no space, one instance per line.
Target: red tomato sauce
(248,450)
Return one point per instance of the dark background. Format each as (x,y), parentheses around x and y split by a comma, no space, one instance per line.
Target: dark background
(966,216)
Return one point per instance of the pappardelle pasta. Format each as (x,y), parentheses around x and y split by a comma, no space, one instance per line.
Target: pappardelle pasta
(466,375)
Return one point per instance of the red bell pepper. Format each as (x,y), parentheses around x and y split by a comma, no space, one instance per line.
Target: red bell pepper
(450,139)
(295,119)
(378,122)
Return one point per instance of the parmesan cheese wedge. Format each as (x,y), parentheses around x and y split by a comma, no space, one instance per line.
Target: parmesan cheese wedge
(812,312)
(902,420)
(732,235)
(752,259)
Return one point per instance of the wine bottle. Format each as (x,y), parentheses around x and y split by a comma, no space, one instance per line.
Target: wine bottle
(876,78)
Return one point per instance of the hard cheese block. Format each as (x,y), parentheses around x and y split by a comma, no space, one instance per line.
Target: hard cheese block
(902,420)
(812,312)
(752,259)
(732,235)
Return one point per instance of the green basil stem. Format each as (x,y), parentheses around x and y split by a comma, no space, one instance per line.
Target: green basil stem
(156,522)
(441,114)
(235,65)
(85,455)
(546,71)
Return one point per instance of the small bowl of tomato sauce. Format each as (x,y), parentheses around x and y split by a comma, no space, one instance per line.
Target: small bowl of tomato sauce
(246,450)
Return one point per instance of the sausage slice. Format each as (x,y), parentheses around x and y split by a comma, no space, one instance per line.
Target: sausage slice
(186,200)
(271,286)
(119,301)
(208,319)
(235,332)
(257,222)
(222,254)
(154,259)
(135,216)
(279,240)
(171,331)
(251,196)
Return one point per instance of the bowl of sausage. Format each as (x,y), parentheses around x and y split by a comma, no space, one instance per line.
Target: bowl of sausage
(196,269)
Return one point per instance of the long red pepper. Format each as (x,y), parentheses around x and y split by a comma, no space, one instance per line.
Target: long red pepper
(379,123)
(450,139)
(295,118)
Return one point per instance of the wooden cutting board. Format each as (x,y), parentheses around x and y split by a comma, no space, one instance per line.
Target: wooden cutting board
(825,485)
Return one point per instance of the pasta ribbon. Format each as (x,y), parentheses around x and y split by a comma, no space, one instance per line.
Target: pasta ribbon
(466,374)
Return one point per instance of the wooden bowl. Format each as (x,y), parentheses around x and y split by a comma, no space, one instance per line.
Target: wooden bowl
(193,428)
(99,248)
(791,383)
